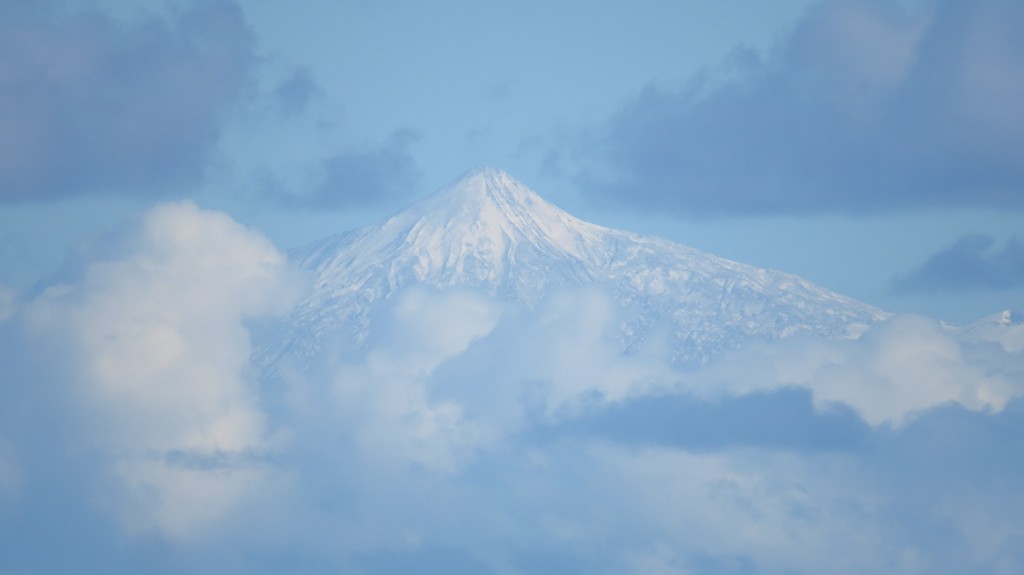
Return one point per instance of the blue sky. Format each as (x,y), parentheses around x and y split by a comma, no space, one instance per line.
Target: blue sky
(854,143)
(158,158)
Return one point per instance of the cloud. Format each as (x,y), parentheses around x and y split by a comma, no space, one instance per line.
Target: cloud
(369,176)
(91,104)
(384,390)
(785,418)
(866,107)
(895,370)
(295,92)
(442,375)
(477,434)
(561,454)
(973,262)
(153,349)
(361,177)
(905,503)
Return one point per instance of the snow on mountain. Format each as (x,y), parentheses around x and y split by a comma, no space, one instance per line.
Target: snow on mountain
(488,232)
(1005,328)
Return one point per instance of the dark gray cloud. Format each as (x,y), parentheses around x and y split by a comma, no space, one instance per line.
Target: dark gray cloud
(92,104)
(974,262)
(949,445)
(952,455)
(361,177)
(780,419)
(867,107)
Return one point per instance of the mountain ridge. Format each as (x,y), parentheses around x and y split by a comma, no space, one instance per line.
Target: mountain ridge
(488,232)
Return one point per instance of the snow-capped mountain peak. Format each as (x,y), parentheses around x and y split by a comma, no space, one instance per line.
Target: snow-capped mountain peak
(484,230)
(488,211)
(488,232)
(483,187)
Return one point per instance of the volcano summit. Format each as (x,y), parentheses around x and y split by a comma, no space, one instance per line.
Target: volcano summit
(490,233)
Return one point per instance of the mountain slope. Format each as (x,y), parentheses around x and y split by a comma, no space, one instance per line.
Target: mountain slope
(488,232)
(1005,328)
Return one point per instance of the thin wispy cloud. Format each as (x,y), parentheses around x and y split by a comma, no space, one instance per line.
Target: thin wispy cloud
(366,176)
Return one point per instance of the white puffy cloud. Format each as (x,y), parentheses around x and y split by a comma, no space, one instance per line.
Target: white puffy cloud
(384,393)
(446,374)
(896,369)
(154,350)
(554,360)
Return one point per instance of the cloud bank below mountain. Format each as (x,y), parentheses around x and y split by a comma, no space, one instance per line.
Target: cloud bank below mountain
(473,435)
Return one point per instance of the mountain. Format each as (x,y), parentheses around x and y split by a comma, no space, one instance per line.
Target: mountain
(489,232)
(1005,328)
